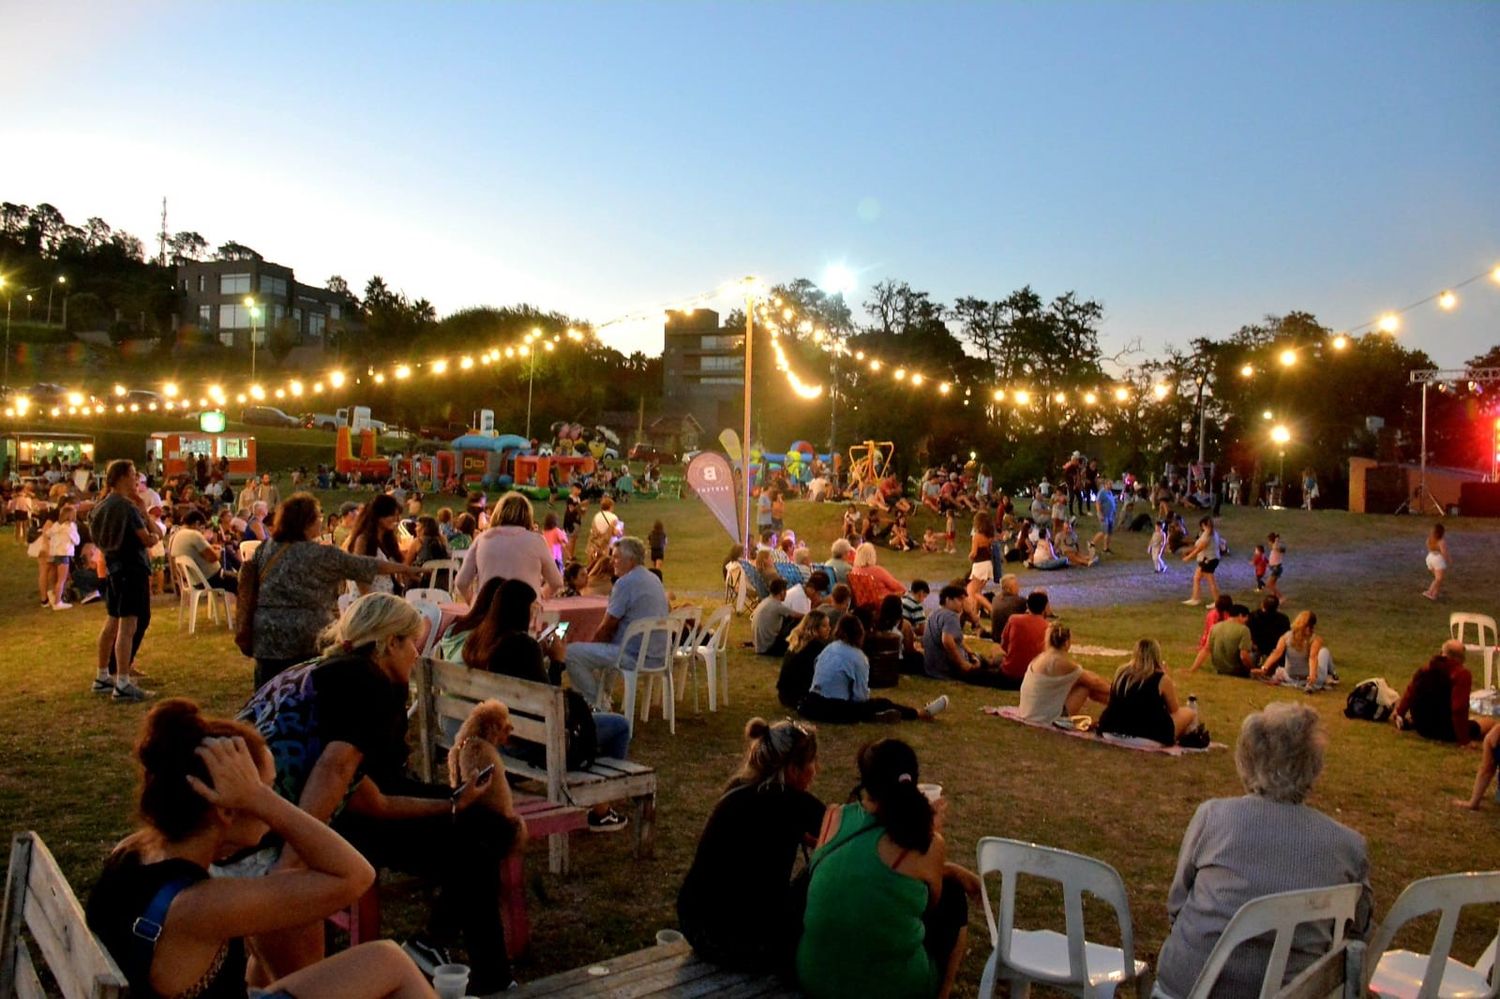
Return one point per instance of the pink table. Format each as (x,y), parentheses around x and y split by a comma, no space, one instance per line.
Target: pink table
(583,614)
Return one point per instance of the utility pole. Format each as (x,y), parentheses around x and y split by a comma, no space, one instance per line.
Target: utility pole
(745,441)
(161,237)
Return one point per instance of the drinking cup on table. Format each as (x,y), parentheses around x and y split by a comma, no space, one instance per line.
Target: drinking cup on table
(450,981)
(665,938)
(933,791)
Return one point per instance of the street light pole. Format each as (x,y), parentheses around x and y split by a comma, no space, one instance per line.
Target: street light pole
(6,381)
(745,441)
(530,383)
(61,279)
(254,315)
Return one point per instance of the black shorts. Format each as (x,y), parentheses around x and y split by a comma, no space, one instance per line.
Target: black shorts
(1209,566)
(1276,571)
(127,592)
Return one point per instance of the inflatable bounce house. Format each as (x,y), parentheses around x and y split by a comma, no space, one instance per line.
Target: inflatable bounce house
(796,461)
(368,465)
(481,459)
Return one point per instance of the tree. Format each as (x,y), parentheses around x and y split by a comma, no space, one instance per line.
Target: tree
(44,230)
(186,246)
(236,251)
(981,326)
(338,286)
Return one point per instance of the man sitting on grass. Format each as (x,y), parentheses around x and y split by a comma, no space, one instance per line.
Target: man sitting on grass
(912,606)
(1229,647)
(773,621)
(944,656)
(1024,638)
(1436,702)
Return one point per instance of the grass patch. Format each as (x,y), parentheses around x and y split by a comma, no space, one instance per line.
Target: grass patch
(65,766)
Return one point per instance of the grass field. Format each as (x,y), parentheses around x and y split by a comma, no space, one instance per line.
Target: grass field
(65,768)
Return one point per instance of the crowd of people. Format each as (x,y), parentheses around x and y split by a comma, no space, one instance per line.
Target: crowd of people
(294,805)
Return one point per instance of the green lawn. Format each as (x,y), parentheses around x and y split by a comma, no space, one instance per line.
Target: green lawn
(65,767)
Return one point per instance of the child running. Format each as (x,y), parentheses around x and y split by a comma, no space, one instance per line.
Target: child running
(1259,564)
(656,541)
(1275,557)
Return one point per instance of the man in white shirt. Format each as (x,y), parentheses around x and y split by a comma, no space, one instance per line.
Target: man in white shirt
(810,594)
(189,540)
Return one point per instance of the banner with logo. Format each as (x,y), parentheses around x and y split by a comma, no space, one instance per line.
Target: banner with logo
(710,476)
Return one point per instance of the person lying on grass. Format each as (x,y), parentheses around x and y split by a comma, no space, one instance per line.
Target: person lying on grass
(205,795)
(733,904)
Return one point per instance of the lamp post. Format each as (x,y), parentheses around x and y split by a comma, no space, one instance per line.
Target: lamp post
(1280,435)
(254,315)
(530,349)
(745,441)
(62,279)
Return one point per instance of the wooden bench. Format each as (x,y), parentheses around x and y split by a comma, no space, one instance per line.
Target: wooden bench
(361,920)
(667,969)
(38,899)
(450,690)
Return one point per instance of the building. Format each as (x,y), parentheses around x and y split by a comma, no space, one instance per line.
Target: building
(214,294)
(703,370)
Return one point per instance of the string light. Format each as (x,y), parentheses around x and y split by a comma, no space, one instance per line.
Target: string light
(1447,301)
(1022,397)
(1287,357)
(1340,342)
(1389,323)
(1247,371)
(1122,394)
(1160,390)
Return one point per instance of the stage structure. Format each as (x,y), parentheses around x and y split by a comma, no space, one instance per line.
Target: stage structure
(1437,376)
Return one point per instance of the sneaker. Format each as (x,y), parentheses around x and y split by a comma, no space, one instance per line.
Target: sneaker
(129,692)
(610,822)
(90,598)
(425,954)
(1094,559)
(62,606)
(1192,603)
(936,706)
(887,717)
(103,685)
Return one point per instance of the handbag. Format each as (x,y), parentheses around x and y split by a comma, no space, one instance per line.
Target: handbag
(247,597)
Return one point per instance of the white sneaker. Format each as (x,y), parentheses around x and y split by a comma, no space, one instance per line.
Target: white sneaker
(62,606)
(1192,603)
(936,706)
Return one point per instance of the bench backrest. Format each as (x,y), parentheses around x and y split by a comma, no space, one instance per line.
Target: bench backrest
(37,897)
(450,690)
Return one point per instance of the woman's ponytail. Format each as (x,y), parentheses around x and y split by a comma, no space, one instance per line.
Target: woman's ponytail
(888,774)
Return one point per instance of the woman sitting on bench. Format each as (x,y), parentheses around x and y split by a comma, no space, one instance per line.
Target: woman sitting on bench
(733,904)
(205,795)
(336,727)
(502,643)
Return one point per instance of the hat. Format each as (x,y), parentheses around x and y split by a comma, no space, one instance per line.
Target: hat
(345,509)
(1078,454)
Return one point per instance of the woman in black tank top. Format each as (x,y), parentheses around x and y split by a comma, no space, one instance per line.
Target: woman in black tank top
(1143,700)
(175,931)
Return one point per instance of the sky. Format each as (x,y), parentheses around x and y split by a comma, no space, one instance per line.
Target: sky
(1193,166)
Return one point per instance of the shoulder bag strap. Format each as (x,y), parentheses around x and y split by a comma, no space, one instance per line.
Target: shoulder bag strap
(148,925)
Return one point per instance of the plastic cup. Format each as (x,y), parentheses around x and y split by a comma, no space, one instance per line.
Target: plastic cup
(933,791)
(666,938)
(450,981)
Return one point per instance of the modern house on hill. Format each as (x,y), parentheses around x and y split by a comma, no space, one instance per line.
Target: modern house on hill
(214,294)
(703,370)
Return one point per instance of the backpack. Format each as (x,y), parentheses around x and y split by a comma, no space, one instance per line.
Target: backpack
(1371,700)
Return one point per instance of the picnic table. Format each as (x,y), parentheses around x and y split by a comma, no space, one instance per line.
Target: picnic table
(584,614)
(666,969)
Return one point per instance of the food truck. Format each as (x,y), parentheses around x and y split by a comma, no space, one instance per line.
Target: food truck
(176,451)
(26,449)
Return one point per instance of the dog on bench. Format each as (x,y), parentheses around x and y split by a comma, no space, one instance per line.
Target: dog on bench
(477,747)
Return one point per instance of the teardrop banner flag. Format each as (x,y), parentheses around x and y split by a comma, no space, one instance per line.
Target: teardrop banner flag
(731,442)
(710,476)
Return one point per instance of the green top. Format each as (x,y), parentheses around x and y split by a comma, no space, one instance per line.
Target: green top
(1226,640)
(863,928)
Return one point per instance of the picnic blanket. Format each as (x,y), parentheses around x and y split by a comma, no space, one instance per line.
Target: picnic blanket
(1097,650)
(1122,741)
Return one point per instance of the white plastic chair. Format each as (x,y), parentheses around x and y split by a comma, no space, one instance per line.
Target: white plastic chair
(434,615)
(1064,961)
(1486,635)
(709,651)
(1429,976)
(444,573)
(428,594)
(1281,914)
(688,619)
(662,633)
(196,588)
(247,548)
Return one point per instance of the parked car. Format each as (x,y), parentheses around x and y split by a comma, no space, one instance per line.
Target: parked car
(341,417)
(268,416)
(649,452)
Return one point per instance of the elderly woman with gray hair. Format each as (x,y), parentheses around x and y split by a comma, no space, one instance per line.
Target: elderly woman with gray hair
(1267,841)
